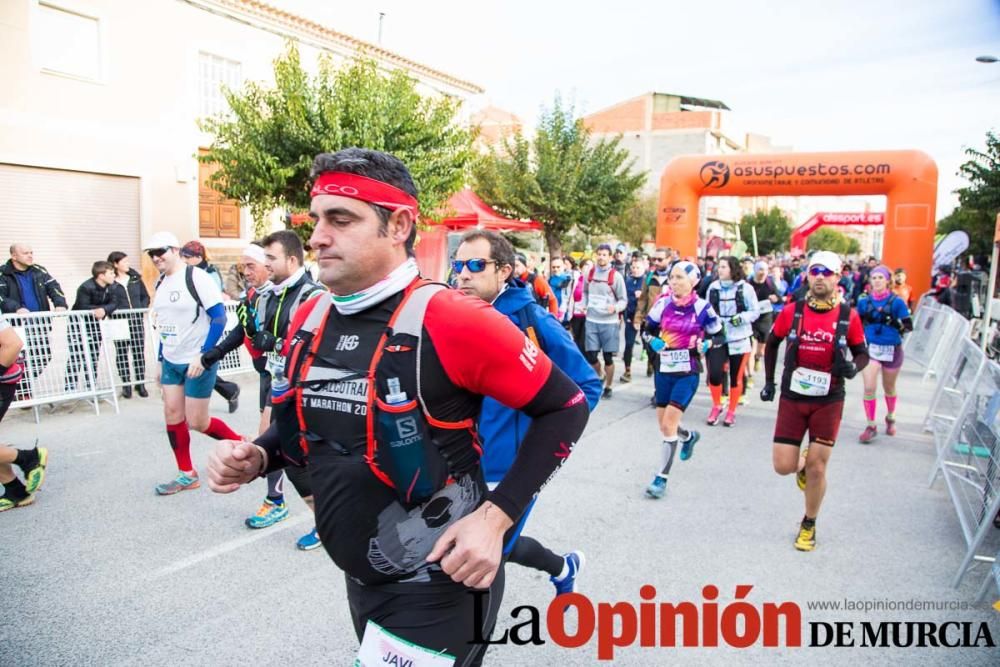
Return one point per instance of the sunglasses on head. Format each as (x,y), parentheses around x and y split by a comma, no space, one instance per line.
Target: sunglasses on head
(820,271)
(475,265)
(157,252)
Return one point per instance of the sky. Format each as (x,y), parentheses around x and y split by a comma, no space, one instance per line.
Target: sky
(816,76)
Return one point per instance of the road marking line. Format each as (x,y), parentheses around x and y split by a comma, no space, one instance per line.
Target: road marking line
(231,545)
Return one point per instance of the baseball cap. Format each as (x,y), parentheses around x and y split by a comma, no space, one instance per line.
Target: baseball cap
(760,266)
(162,240)
(622,247)
(826,258)
(193,249)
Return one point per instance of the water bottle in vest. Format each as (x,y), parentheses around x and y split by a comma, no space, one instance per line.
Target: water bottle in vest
(279,384)
(404,449)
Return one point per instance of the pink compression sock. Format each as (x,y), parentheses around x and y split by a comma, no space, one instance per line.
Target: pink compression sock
(890,404)
(871,405)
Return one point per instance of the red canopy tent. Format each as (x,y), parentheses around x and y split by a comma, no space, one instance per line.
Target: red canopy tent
(463,210)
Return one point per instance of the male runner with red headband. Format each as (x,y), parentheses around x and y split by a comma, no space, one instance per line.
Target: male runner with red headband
(401,505)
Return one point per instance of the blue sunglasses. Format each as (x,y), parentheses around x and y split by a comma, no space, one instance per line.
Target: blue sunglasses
(475,265)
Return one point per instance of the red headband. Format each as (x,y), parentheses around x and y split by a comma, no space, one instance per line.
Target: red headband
(366,189)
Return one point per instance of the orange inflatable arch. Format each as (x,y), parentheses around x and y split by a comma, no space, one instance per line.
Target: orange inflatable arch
(908,179)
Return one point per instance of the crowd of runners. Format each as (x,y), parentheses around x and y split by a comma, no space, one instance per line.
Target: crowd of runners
(419,423)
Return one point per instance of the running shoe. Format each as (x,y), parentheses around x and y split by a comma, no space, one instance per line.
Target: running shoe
(574,562)
(744,399)
(34,476)
(800,476)
(183,482)
(234,402)
(730,419)
(626,377)
(607,392)
(309,541)
(890,425)
(269,514)
(748,380)
(713,416)
(806,539)
(687,447)
(10,503)
(756,365)
(868,434)
(657,487)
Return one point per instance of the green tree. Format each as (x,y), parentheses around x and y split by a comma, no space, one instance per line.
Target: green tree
(637,222)
(979,202)
(562,178)
(774,230)
(834,241)
(266,145)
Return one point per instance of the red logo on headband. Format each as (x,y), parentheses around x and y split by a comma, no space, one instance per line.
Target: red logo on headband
(365,189)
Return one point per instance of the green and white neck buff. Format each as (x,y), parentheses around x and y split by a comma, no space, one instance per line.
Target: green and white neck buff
(395,282)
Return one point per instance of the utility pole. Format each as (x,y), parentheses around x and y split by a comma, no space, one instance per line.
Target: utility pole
(381,15)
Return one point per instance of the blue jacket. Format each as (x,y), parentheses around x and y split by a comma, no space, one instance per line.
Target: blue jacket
(633,284)
(501,428)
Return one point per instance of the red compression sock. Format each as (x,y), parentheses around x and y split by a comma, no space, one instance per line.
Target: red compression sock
(180,442)
(219,430)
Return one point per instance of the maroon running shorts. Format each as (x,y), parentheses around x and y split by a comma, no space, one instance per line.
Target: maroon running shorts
(821,420)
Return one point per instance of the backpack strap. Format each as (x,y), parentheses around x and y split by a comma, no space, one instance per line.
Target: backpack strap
(528,325)
(193,291)
(843,323)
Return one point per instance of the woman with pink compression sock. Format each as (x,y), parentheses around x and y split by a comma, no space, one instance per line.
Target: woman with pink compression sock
(886,318)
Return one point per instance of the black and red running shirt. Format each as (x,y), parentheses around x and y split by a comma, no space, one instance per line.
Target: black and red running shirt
(468,350)
(816,346)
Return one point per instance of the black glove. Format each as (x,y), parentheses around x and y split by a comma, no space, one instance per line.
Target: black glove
(211,357)
(767,393)
(844,368)
(264,341)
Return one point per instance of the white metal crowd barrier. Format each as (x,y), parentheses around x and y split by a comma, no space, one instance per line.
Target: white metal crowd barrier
(72,356)
(935,330)
(964,418)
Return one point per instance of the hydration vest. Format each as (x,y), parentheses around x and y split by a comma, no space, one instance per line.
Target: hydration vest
(795,331)
(715,295)
(396,357)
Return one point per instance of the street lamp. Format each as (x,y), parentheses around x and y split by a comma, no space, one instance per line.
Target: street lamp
(986,59)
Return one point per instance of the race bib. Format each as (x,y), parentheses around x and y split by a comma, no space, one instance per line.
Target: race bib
(275,363)
(381,647)
(765,306)
(883,353)
(807,382)
(167,330)
(675,361)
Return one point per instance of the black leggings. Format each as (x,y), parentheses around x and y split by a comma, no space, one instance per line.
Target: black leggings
(529,552)
(6,397)
(577,327)
(440,616)
(717,358)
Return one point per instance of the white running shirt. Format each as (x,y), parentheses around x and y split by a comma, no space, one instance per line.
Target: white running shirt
(173,310)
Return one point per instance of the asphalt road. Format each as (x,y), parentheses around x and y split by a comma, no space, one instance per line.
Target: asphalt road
(100,571)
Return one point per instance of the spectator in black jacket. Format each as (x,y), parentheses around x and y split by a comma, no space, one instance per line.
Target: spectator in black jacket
(96,296)
(130,293)
(26,287)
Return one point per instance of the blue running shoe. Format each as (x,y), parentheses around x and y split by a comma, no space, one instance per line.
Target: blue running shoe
(182,482)
(309,541)
(574,563)
(687,447)
(269,514)
(657,487)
